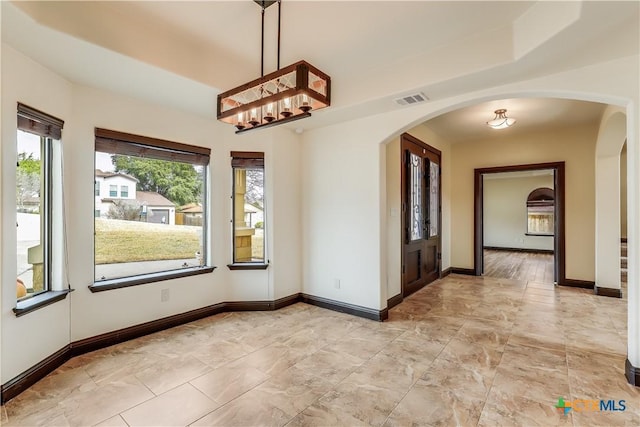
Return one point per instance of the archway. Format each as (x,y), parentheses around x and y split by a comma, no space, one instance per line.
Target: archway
(611,138)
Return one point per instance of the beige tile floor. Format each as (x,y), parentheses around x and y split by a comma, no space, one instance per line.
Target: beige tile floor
(462,351)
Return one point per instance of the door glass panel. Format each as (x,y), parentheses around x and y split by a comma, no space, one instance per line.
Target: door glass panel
(416,211)
(434,182)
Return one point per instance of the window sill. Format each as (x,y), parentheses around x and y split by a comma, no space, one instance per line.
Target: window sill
(248,266)
(142,279)
(39,301)
(538,234)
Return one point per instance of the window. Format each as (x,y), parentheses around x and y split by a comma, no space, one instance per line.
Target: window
(133,244)
(540,212)
(248,210)
(113,191)
(96,188)
(38,196)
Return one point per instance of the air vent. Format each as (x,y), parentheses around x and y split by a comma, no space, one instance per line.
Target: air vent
(412,99)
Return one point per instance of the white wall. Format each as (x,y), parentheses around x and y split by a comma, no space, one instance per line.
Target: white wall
(84,314)
(28,339)
(505,211)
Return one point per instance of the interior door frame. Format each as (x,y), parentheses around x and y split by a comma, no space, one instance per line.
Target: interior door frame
(559,247)
(405,137)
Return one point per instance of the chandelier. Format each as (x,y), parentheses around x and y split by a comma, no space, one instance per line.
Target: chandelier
(285,95)
(501,121)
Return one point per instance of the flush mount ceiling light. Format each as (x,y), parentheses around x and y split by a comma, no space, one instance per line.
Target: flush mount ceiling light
(285,95)
(501,121)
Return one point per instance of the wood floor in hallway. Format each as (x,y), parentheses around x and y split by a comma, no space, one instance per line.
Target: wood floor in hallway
(537,267)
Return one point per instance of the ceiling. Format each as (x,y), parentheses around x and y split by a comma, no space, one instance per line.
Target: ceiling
(531,114)
(183,53)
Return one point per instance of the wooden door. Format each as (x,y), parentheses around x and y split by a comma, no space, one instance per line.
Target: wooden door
(421,214)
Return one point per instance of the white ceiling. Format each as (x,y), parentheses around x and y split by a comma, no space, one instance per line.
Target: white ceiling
(182,53)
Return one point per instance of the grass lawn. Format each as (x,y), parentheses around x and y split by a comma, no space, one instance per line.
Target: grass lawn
(130,241)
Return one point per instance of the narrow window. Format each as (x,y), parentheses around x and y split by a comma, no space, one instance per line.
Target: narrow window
(96,188)
(540,212)
(37,140)
(137,237)
(248,210)
(113,191)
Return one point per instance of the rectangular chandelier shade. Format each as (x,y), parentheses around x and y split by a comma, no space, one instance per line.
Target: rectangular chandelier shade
(288,94)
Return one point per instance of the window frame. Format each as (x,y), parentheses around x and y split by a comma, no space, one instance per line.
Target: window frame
(125,193)
(113,191)
(110,141)
(246,160)
(540,197)
(49,129)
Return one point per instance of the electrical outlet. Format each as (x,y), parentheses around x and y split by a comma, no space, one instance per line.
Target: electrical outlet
(164,295)
(336,283)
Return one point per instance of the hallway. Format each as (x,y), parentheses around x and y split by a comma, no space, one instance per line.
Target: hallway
(465,350)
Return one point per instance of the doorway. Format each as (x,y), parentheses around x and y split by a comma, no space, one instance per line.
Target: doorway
(421,214)
(534,201)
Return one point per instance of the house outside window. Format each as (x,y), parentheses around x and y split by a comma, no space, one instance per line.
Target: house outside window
(113,191)
(139,229)
(248,210)
(96,188)
(38,192)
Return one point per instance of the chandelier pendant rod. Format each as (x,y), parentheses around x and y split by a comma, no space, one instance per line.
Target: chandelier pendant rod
(279,12)
(262,45)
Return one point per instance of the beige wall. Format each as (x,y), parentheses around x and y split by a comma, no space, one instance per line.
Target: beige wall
(575,146)
(394,199)
(505,211)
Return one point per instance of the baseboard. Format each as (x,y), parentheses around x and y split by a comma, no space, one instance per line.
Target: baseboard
(465,271)
(444,273)
(393,301)
(286,301)
(125,334)
(355,310)
(17,385)
(607,292)
(532,251)
(586,284)
(632,373)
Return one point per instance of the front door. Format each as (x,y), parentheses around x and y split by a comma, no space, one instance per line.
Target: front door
(420,214)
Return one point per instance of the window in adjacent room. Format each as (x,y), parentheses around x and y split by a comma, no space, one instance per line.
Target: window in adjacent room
(143,236)
(38,180)
(248,210)
(540,212)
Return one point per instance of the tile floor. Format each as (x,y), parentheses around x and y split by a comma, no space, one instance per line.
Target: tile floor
(462,351)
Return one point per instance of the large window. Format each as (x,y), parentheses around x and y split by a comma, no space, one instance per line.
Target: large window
(38,182)
(540,212)
(137,237)
(248,210)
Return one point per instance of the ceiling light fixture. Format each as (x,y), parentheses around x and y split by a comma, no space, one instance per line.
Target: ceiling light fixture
(283,96)
(501,121)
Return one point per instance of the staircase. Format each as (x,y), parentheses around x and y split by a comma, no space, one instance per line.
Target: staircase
(623,262)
